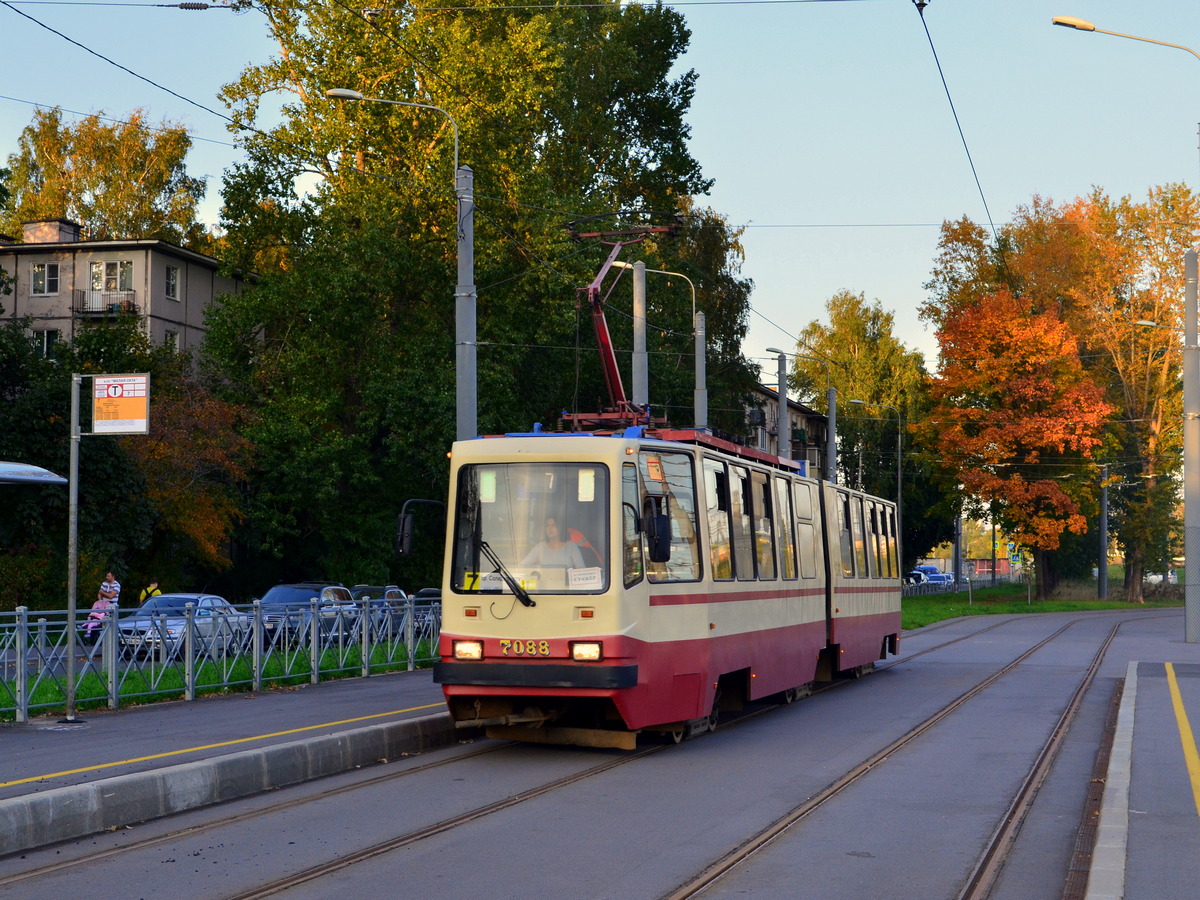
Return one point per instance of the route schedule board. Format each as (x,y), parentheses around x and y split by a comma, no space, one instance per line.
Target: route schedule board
(121,404)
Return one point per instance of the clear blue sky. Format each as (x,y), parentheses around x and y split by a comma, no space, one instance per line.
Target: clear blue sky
(825,124)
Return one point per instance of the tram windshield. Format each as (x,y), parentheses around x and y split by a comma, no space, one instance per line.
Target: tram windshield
(546,524)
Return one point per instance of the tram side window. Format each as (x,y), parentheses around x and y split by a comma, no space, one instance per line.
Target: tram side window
(764,531)
(743,533)
(716,494)
(844,540)
(670,487)
(806,536)
(631,538)
(885,542)
(783,529)
(860,546)
(873,543)
(893,559)
(802,495)
(806,541)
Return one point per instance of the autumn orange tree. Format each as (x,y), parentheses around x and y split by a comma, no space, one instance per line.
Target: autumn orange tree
(192,464)
(1111,272)
(1018,414)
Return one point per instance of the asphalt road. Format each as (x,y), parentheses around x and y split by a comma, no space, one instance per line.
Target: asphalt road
(911,827)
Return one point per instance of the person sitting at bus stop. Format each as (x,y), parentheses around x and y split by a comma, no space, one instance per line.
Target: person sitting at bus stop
(553,550)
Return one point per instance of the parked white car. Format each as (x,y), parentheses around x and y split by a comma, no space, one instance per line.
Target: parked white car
(160,624)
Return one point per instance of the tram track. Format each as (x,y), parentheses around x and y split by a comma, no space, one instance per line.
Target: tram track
(990,860)
(705,879)
(194,830)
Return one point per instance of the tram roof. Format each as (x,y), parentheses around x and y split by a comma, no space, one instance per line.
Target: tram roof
(669,435)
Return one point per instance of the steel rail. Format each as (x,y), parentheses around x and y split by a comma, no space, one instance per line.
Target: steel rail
(191,830)
(995,853)
(320,870)
(738,855)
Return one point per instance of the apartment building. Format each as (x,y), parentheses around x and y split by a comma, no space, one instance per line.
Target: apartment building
(804,432)
(61,281)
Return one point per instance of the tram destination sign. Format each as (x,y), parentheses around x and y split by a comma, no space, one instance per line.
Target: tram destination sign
(121,404)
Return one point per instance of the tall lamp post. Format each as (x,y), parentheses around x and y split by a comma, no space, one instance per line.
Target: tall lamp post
(465,359)
(899,474)
(700,393)
(1191,400)
(830,400)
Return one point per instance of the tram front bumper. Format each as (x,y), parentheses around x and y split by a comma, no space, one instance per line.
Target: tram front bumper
(524,675)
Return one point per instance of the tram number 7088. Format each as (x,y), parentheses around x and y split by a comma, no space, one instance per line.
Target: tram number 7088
(524,648)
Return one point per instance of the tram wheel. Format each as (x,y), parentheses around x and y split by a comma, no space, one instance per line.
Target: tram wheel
(716,709)
(679,735)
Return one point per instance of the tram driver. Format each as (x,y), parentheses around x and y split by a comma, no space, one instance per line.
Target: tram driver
(555,549)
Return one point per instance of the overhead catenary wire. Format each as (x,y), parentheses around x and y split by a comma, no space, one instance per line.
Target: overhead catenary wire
(920,5)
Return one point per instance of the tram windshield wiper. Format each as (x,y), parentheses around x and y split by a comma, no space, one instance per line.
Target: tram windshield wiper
(513,584)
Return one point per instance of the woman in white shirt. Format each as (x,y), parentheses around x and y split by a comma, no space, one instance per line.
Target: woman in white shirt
(554,551)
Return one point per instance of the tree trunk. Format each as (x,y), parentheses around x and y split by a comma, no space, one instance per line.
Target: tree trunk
(1135,571)
(1045,573)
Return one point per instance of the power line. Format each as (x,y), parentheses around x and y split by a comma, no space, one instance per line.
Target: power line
(111,62)
(920,4)
(74,112)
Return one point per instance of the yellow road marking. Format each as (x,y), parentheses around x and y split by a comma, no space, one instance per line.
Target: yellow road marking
(1185,736)
(257,737)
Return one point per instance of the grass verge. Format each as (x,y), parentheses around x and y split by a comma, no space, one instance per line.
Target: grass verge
(917,612)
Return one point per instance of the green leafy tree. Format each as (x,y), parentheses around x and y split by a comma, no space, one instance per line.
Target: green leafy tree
(163,504)
(858,354)
(122,180)
(345,345)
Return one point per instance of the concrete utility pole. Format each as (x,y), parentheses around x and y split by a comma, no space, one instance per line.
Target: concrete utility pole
(466,389)
(1191,456)
(641,366)
(1102,565)
(830,473)
(700,393)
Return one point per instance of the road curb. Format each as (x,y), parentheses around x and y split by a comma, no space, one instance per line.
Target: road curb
(66,813)
(1106,879)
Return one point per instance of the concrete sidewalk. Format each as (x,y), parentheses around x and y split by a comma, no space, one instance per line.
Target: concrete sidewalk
(63,781)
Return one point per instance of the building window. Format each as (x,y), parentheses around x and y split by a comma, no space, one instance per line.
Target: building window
(45,278)
(172,282)
(171,341)
(112,277)
(44,341)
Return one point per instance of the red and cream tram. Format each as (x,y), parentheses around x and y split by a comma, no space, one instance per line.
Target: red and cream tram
(599,586)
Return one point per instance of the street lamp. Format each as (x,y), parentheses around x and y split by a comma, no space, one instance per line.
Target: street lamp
(830,400)
(1084,25)
(466,387)
(1191,401)
(899,474)
(700,392)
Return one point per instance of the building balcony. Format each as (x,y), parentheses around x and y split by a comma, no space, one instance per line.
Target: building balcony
(105,303)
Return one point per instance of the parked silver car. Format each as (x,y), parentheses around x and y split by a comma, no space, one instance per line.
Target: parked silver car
(160,625)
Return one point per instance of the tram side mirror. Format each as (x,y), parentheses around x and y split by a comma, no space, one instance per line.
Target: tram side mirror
(658,537)
(404,535)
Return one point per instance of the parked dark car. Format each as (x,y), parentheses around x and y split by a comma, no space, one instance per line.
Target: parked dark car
(160,624)
(428,606)
(288,607)
(387,603)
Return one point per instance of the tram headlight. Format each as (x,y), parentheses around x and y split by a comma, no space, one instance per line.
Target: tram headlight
(468,649)
(587,651)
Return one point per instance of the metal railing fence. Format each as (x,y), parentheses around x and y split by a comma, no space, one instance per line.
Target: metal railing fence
(123,659)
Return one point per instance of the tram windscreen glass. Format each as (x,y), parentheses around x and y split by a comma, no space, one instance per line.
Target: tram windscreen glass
(546,522)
